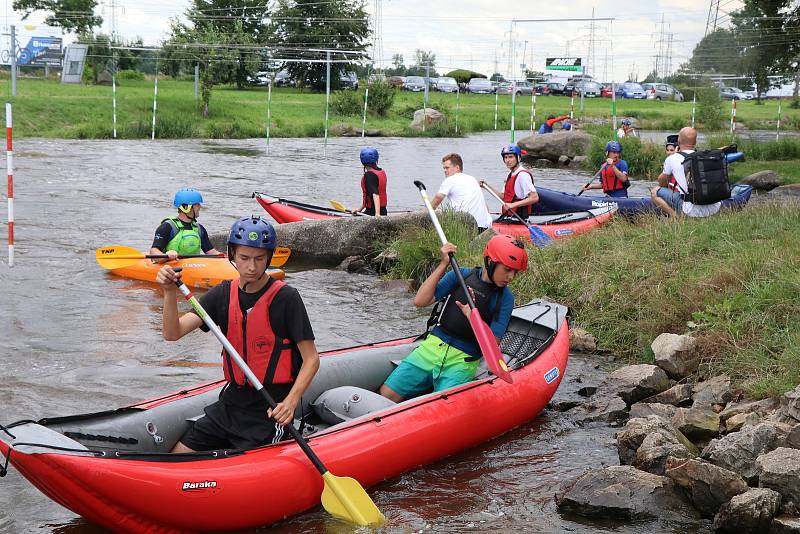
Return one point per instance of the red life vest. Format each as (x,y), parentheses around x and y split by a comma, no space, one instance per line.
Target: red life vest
(609,179)
(510,196)
(381,174)
(271,360)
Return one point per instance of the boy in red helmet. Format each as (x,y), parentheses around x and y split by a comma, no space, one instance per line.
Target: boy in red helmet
(450,354)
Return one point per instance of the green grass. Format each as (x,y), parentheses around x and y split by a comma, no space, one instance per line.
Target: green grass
(789,171)
(730,280)
(46,108)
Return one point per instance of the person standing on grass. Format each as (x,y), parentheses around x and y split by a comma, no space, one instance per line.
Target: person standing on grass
(462,192)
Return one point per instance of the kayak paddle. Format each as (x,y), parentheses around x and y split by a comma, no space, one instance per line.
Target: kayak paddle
(538,237)
(342,497)
(338,206)
(484,335)
(119,257)
(587,185)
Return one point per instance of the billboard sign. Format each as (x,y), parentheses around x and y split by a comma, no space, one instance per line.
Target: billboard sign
(35,46)
(561,66)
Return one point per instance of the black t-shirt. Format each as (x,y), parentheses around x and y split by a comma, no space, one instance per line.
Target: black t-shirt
(371,183)
(165,233)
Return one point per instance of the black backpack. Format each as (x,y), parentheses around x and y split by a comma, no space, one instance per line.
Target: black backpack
(707,176)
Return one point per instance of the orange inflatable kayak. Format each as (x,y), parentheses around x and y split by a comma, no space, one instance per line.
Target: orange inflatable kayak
(197,272)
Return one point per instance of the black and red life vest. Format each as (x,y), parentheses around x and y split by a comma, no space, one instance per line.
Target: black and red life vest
(381,174)
(510,196)
(609,179)
(272,360)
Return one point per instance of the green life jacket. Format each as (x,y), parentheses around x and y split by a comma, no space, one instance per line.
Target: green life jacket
(185,241)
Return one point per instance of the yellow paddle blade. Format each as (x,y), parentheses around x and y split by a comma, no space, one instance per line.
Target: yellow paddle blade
(280,256)
(338,206)
(344,498)
(117,257)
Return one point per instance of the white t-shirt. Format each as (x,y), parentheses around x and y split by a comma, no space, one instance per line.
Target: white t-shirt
(631,133)
(463,193)
(673,166)
(524,184)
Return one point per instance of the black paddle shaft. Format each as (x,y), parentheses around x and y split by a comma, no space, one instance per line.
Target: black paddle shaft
(461,281)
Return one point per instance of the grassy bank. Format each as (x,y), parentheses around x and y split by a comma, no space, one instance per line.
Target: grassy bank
(46,108)
(730,280)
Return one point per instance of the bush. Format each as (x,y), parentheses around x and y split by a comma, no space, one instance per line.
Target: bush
(381,98)
(130,75)
(346,103)
(709,108)
(464,75)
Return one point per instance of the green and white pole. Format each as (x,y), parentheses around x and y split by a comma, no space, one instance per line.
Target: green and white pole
(327,98)
(513,110)
(495,110)
(458,106)
(155,99)
(614,110)
(694,105)
(269,108)
(533,108)
(778,127)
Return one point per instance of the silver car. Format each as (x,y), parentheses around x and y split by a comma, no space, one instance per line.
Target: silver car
(446,84)
(662,91)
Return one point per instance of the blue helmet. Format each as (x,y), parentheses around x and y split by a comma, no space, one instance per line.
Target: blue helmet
(252,232)
(511,149)
(626,122)
(613,146)
(369,155)
(566,126)
(187,197)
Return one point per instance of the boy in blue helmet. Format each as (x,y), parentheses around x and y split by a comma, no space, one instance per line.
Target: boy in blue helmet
(613,173)
(373,184)
(266,322)
(183,235)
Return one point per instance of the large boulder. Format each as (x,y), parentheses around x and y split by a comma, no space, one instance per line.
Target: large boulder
(646,443)
(751,511)
(675,354)
(707,485)
(644,409)
(636,382)
(623,492)
(554,145)
(763,180)
(602,407)
(738,451)
(780,470)
(427,116)
(697,424)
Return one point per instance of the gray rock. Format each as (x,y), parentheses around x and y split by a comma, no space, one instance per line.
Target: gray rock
(750,511)
(563,160)
(429,116)
(763,180)
(577,162)
(644,409)
(784,524)
(104,78)
(385,260)
(676,355)
(636,382)
(785,194)
(677,395)
(790,404)
(707,485)
(542,163)
(658,447)
(793,439)
(630,438)
(716,390)
(623,492)
(735,423)
(602,407)
(581,341)
(738,451)
(697,424)
(342,129)
(354,264)
(780,470)
(761,407)
(553,145)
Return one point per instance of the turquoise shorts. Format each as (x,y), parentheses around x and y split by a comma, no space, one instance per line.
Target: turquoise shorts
(433,365)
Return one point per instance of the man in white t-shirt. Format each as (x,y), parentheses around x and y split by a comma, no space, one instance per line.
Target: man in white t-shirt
(462,192)
(669,196)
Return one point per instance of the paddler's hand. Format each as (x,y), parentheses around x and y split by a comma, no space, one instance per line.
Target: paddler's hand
(172,254)
(446,249)
(167,277)
(609,161)
(465,309)
(284,411)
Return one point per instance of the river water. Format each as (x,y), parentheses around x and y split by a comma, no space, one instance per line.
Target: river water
(76,339)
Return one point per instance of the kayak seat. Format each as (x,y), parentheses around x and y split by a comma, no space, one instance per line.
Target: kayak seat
(344,403)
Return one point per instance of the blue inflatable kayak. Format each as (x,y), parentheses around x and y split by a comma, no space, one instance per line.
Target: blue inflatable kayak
(551,201)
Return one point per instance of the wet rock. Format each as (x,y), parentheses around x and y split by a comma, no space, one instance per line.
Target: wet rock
(644,409)
(738,451)
(355,264)
(607,408)
(697,424)
(636,382)
(563,160)
(428,116)
(577,162)
(658,447)
(676,355)
(735,423)
(716,390)
(780,470)
(707,485)
(677,395)
(342,129)
(385,260)
(763,180)
(630,438)
(750,511)
(784,524)
(397,285)
(581,341)
(587,391)
(542,163)
(623,492)
(761,407)
(553,145)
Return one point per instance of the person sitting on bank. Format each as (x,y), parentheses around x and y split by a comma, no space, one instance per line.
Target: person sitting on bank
(671,146)
(613,173)
(183,235)
(626,129)
(450,353)
(266,322)
(462,192)
(519,194)
(373,184)
(547,125)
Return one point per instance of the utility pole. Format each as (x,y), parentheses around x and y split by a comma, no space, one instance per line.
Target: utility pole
(590,54)
(713,17)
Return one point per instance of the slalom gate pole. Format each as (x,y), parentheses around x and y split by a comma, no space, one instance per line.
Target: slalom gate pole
(155,98)
(269,109)
(458,106)
(694,105)
(733,116)
(572,106)
(533,108)
(114,104)
(778,127)
(614,110)
(10,168)
(495,110)
(513,111)
(364,120)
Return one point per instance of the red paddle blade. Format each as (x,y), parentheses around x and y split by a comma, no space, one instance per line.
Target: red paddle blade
(489,349)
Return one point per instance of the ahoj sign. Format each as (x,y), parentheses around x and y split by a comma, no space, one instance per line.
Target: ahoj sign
(36,45)
(564,64)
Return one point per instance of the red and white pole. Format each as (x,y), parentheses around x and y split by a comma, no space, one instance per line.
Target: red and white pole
(733,115)
(10,168)
(572,106)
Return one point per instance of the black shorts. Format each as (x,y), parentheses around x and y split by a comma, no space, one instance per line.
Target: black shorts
(237,421)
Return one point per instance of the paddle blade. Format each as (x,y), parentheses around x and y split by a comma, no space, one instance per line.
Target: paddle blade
(538,237)
(344,498)
(489,349)
(338,206)
(117,257)
(280,256)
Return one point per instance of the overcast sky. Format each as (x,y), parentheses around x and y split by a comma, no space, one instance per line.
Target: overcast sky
(475,33)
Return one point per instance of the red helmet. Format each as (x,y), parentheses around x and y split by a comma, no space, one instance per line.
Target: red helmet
(507,250)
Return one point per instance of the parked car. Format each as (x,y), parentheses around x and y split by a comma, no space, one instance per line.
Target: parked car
(607,91)
(480,86)
(376,78)
(348,80)
(555,88)
(732,93)
(521,88)
(446,84)
(414,83)
(784,91)
(661,91)
(397,81)
(588,88)
(630,90)
(542,89)
(259,78)
(284,79)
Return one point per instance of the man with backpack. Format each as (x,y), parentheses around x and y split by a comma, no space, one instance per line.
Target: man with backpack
(692,183)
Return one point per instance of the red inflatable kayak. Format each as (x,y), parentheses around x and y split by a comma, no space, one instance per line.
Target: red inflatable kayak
(556,226)
(114,469)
